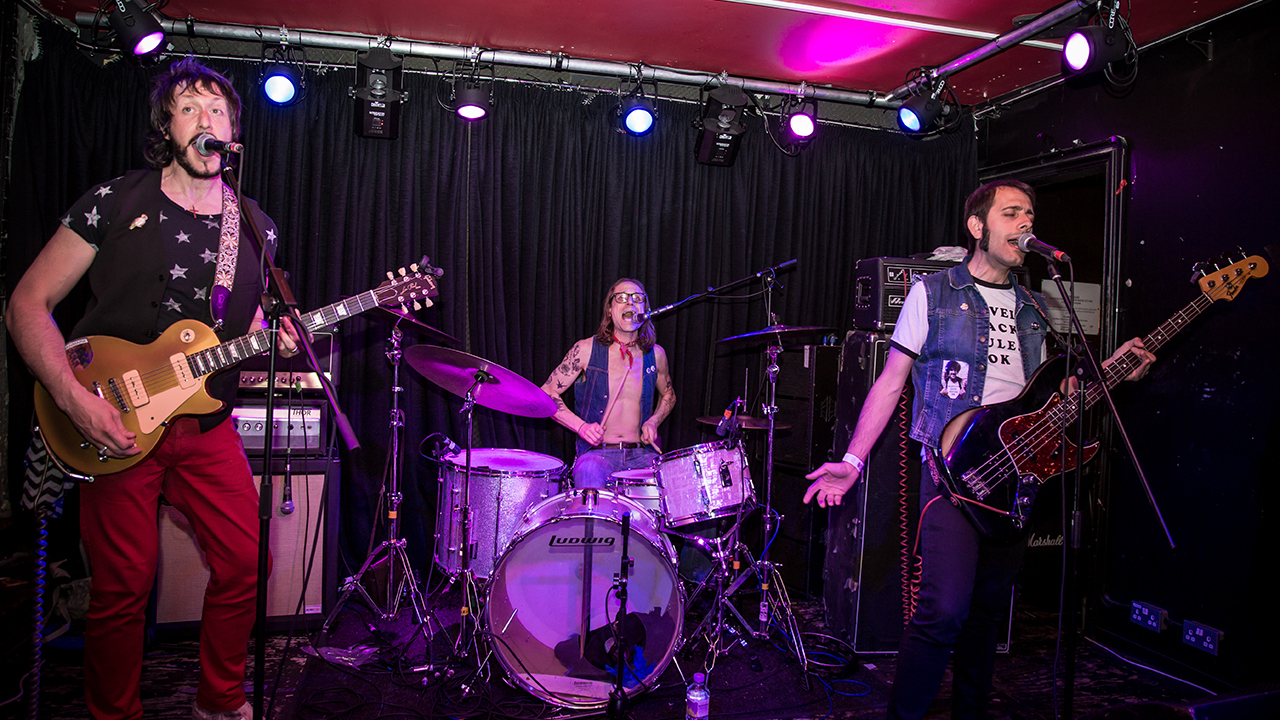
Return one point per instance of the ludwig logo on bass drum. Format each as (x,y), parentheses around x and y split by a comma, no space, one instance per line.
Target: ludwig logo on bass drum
(568,541)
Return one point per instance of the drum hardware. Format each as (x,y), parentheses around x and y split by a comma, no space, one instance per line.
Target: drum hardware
(618,701)
(773,597)
(401,581)
(477,381)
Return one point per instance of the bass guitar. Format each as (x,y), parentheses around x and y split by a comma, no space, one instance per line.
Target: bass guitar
(993,459)
(156,383)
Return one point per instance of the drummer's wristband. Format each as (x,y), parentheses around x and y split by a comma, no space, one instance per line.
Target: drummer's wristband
(855,461)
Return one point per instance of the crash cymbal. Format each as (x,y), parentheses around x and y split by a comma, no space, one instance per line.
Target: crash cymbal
(776,333)
(500,390)
(746,421)
(406,320)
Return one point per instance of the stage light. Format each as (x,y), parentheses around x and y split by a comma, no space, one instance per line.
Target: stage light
(138,31)
(1091,49)
(799,119)
(636,115)
(378,93)
(471,98)
(282,79)
(919,113)
(723,124)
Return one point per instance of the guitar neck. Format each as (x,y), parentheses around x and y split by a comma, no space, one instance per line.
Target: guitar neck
(218,357)
(1127,363)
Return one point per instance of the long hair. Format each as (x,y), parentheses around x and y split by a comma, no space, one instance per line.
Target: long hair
(185,73)
(646,337)
(981,200)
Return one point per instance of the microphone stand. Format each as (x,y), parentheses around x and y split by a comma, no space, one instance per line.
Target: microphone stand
(1090,368)
(618,701)
(767,272)
(277,299)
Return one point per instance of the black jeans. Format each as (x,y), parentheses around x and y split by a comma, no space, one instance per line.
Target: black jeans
(965,589)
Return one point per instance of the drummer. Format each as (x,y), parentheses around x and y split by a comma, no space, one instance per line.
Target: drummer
(622,389)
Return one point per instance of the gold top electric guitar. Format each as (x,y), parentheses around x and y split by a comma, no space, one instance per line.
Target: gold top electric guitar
(155,383)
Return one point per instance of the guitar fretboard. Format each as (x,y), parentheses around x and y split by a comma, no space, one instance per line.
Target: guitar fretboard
(211,360)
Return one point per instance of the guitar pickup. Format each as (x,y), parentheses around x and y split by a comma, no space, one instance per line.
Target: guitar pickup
(134,388)
(182,370)
(119,397)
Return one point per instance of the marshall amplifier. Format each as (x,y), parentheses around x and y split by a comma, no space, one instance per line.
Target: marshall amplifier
(880,287)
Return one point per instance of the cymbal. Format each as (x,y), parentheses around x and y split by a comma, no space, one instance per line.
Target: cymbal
(407,320)
(776,332)
(501,390)
(747,422)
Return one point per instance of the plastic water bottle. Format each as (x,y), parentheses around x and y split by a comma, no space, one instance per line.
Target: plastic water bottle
(697,703)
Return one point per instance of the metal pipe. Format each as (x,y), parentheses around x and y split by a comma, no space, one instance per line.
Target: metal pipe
(998,45)
(553,63)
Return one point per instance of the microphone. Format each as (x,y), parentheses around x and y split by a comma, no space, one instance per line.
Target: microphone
(728,422)
(641,317)
(448,447)
(1030,243)
(286,495)
(207,145)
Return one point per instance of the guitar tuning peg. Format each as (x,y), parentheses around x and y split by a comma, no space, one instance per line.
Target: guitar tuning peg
(417,305)
(404,309)
(427,302)
(391,275)
(413,267)
(402,271)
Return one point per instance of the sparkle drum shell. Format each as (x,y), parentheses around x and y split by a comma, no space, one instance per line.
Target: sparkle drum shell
(704,482)
(504,483)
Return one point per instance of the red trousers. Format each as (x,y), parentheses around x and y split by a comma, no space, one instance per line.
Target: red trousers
(207,478)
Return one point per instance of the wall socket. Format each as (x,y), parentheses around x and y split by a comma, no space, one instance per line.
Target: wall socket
(1201,636)
(1149,616)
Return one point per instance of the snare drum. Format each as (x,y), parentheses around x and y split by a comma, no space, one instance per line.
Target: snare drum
(550,603)
(504,483)
(704,482)
(640,485)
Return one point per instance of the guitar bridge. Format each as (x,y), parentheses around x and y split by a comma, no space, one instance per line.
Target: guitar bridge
(976,484)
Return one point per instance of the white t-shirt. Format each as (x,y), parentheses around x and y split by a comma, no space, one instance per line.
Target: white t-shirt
(1004,359)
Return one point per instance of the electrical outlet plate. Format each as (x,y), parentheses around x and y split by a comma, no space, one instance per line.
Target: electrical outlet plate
(1148,616)
(1201,636)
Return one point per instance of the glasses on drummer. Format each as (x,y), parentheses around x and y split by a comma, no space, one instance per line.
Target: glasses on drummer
(635,298)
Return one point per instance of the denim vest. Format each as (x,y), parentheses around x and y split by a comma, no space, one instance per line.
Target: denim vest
(591,391)
(959,324)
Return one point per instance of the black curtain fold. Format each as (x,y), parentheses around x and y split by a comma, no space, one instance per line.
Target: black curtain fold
(531,213)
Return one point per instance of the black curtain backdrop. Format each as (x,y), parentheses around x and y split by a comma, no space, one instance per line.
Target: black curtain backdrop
(531,213)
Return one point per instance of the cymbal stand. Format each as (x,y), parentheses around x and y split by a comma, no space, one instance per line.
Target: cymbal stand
(401,582)
(470,595)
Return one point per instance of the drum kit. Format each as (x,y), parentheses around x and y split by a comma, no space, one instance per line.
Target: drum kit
(556,579)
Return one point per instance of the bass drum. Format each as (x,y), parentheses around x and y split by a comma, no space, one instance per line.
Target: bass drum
(551,600)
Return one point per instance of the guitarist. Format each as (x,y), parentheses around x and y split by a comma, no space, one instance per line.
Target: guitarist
(149,243)
(967,337)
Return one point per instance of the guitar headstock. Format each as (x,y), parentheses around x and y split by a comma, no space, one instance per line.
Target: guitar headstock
(416,286)
(1224,281)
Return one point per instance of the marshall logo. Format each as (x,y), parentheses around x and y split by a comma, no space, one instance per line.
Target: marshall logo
(897,300)
(570,541)
(1041,541)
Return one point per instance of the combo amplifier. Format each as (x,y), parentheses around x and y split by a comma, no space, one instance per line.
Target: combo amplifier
(881,284)
(298,428)
(295,372)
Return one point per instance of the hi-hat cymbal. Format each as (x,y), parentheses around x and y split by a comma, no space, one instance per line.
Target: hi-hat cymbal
(406,320)
(500,390)
(776,333)
(747,422)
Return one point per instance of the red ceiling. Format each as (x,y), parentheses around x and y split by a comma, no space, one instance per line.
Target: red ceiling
(706,35)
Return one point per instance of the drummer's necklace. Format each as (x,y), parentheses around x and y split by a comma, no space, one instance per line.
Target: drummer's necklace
(624,349)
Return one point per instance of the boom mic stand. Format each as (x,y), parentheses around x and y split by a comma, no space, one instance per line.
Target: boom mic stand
(277,299)
(1090,369)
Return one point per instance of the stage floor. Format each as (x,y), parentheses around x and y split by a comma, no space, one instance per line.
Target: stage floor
(370,673)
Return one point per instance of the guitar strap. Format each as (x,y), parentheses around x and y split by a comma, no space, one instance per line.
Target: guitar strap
(228,248)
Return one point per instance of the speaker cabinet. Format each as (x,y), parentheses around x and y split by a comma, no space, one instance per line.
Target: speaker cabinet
(183,574)
(870,555)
